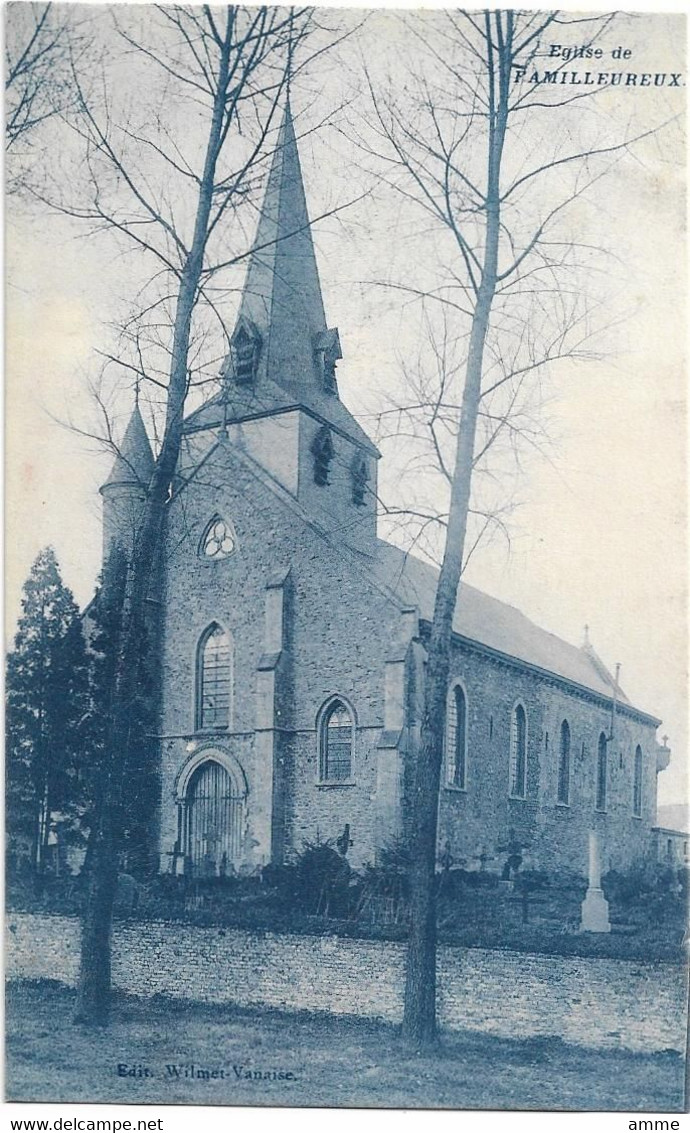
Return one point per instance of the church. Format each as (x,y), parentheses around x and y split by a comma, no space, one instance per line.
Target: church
(292,639)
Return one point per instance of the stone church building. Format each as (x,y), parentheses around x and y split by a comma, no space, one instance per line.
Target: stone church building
(292,638)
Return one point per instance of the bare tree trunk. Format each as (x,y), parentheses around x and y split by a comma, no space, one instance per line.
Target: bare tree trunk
(444,146)
(419,1019)
(95,975)
(93,994)
(234,52)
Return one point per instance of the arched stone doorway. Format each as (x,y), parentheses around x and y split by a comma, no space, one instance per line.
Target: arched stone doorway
(214,814)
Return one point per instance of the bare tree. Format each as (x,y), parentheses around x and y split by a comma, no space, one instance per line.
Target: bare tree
(425,411)
(40,42)
(166,175)
(494,159)
(33,39)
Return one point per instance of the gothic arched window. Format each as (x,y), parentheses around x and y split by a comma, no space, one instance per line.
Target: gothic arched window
(218,541)
(336,743)
(456,738)
(213,678)
(637,783)
(518,753)
(602,773)
(564,764)
(323,452)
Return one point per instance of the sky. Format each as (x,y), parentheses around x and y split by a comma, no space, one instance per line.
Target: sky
(599,536)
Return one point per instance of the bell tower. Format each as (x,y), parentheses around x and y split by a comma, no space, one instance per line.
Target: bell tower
(280,399)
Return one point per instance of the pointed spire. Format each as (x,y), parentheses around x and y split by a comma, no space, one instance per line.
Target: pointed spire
(282,353)
(282,300)
(134,462)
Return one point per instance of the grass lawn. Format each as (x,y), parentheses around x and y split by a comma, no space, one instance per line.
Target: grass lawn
(327,1062)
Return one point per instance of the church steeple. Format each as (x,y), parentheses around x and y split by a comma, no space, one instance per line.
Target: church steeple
(279,400)
(281,333)
(282,353)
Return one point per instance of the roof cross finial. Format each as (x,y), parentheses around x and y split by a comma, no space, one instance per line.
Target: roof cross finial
(586,642)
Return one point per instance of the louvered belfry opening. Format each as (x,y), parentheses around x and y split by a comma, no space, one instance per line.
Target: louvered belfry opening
(215,817)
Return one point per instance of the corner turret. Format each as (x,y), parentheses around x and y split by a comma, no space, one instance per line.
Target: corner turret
(125,489)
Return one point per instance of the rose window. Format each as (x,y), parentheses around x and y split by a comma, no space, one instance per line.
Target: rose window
(219,541)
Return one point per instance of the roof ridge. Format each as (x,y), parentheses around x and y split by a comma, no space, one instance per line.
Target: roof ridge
(521,637)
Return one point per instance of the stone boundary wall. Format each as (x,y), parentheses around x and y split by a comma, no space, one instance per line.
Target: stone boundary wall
(595,1002)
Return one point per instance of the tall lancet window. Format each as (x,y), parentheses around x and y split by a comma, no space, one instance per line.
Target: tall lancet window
(518,753)
(564,765)
(602,772)
(213,678)
(245,347)
(456,738)
(336,742)
(637,783)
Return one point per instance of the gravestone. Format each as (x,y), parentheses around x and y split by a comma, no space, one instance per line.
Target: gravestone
(126,894)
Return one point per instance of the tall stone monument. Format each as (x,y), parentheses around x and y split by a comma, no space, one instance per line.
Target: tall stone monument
(595,907)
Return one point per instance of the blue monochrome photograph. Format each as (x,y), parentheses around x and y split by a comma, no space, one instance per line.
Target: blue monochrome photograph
(346,576)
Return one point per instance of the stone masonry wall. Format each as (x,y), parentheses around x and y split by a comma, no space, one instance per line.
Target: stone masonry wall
(597,1003)
(338,628)
(339,631)
(556,836)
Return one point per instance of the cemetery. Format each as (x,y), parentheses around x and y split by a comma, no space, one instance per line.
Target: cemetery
(640,914)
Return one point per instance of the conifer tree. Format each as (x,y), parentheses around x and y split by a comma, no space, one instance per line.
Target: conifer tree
(132,813)
(47,714)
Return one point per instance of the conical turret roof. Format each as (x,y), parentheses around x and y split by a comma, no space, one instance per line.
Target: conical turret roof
(134,462)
